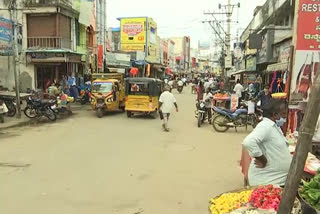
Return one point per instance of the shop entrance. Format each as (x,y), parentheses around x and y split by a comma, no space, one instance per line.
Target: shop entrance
(46,74)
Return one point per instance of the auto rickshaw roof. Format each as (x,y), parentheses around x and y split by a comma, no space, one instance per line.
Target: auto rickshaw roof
(105,80)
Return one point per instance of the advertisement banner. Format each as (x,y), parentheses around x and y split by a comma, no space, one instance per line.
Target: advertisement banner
(133,31)
(307,57)
(5,37)
(100,56)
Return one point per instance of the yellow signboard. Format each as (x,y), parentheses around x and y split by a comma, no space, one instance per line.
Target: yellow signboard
(132,47)
(133,31)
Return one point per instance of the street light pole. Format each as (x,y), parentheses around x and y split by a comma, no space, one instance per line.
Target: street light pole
(16,67)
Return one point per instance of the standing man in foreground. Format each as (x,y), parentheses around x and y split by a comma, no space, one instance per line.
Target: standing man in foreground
(268,148)
(166,103)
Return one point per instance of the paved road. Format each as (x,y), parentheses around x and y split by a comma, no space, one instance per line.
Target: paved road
(117,165)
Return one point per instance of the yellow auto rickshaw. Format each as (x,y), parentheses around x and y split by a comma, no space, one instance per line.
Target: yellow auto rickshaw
(142,95)
(107,93)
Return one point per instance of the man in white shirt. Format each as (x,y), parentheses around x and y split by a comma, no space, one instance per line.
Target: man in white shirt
(269,149)
(167,101)
(238,89)
(180,83)
(207,99)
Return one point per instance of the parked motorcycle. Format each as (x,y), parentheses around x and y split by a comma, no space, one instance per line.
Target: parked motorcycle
(62,108)
(38,108)
(201,113)
(3,111)
(226,119)
(11,105)
(253,118)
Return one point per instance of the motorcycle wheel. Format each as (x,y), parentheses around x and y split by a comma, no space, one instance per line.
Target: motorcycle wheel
(99,112)
(253,121)
(50,114)
(11,111)
(199,120)
(129,114)
(217,123)
(30,112)
(83,101)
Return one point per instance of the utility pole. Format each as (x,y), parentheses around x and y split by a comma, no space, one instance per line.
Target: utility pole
(14,38)
(228,12)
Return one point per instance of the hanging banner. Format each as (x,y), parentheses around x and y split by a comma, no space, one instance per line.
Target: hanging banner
(100,56)
(85,7)
(5,37)
(307,55)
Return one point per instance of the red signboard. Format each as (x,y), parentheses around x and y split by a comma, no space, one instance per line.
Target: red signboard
(100,56)
(133,29)
(308,31)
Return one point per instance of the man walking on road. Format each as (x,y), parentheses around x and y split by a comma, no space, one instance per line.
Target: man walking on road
(166,101)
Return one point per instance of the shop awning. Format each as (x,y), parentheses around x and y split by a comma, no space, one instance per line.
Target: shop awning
(278,67)
(241,72)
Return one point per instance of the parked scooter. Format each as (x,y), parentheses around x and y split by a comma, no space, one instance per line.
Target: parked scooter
(62,105)
(11,105)
(226,119)
(38,108)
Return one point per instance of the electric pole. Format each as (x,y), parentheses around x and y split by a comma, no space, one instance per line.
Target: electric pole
(228,12)
(14,38)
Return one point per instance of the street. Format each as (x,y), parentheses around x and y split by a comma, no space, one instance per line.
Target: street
(118,165)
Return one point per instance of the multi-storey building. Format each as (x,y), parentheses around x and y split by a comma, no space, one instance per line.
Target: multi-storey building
(59,37)
(182,52)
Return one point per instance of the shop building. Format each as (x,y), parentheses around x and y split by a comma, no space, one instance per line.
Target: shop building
(182,52)
(139,34)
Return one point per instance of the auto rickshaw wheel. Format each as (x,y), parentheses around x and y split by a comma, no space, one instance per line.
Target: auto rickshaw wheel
(99,112)
(129,114)
(154,114)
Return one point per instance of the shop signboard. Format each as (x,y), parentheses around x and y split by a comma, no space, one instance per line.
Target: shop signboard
(5,36)
(46,57)
(133,34)
(284,54)
(307,57)
(251,63)
(228,61)
(117,59)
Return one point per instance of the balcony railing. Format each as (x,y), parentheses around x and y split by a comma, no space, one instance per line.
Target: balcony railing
(48,43)
(47,3)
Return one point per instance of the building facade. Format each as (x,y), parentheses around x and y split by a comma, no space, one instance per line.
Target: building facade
(58,38)
(182,53)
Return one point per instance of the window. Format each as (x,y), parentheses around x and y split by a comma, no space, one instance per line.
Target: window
(77,32)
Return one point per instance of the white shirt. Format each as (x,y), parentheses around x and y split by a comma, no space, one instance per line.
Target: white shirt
(167,99)
(180,83)
(238,89)
(207,99)
(170,83)
(316,136)
(207,85)
(267,139)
